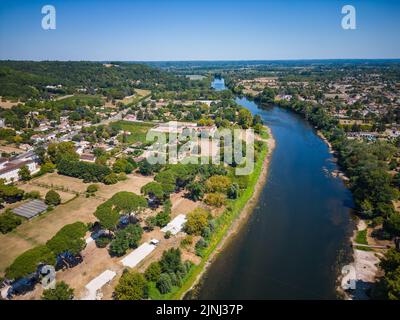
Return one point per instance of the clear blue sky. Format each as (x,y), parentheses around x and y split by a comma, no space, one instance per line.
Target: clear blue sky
(198,30)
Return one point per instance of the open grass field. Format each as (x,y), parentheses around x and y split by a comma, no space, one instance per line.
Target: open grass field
(81,99)
(138,130)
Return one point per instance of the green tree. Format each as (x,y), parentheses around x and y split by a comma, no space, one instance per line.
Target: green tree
(107,217)
(164,283)
(245,118)
(218,184)
(62,151)
(69,238)
(61,292)
(153,272)
(197,220)
(389,285)
(10,193)
(47,167)
(155,191)
(234,191)
(125,239)
(131,286)
(196,190)
(171,260)
(122,165)
(24,174)
(9,221)
(52,198)
(162,219)
(28,262)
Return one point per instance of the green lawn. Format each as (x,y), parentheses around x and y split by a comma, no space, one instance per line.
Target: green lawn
(138,130)
(361,237)
(81,99)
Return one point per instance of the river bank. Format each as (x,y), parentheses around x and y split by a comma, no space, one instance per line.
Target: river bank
(260,173)
(363,271)
(364,265)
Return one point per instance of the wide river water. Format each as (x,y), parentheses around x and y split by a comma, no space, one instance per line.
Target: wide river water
(296,239)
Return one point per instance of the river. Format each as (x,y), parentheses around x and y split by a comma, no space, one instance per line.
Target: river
(293,243)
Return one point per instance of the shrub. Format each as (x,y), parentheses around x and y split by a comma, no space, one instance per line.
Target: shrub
(9,221)
(162,219)
(167,235)
(200,246)
(206,233)
(196,191)
(92,188)
(215,199)
(32,195)
(176,279)
(112,178)
(122,176)
(150,223)
(52,198)
(187,241)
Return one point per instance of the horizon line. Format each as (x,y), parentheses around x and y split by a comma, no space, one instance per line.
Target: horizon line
(207,60)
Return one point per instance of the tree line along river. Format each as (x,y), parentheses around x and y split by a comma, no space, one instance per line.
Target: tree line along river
(297,237)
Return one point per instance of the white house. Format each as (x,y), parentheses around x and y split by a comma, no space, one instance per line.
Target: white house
(10,169)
